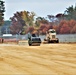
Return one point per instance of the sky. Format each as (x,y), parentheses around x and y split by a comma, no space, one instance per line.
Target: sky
(40,7)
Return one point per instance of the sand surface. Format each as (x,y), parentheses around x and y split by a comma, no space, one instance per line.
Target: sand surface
(47,59)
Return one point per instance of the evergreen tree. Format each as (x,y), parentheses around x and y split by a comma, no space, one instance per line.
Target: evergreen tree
(2,10)
(70,12)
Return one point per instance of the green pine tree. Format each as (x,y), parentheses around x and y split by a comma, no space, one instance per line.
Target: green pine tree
(2,10)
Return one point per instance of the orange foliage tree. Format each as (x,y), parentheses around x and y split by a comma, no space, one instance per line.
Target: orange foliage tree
(73,30)
(66,27)
(44,28)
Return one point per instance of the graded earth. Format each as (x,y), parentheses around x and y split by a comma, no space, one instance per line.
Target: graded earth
(47,59)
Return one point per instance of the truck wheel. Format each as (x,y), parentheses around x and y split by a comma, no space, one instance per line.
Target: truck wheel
(29,44)
(57,41)
(45,40)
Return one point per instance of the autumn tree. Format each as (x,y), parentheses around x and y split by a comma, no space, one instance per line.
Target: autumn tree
(56,27)
(22,21)
(40,20)
(30,29)
(72,23)
(73,30)
(66,27)
(28,17)
(17,24)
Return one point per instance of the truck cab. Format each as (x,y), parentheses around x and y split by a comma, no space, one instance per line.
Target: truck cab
(51,36)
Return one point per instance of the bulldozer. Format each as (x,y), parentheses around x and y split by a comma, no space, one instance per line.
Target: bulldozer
(51,36)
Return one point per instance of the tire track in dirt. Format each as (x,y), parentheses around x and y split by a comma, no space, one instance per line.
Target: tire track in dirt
(26,65)
(54,59)
(45,65)
(9,56)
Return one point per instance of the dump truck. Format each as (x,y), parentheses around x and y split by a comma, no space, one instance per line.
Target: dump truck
(34,40)
(51,36)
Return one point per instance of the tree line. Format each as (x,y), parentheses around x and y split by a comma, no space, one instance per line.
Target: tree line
(24,21)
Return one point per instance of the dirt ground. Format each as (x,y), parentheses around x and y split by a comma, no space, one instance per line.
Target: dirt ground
(47,59)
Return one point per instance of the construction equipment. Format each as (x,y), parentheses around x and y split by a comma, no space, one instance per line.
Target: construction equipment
(34,40)
(51,36)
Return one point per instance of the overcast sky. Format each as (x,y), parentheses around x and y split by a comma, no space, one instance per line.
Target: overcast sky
(40,7)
